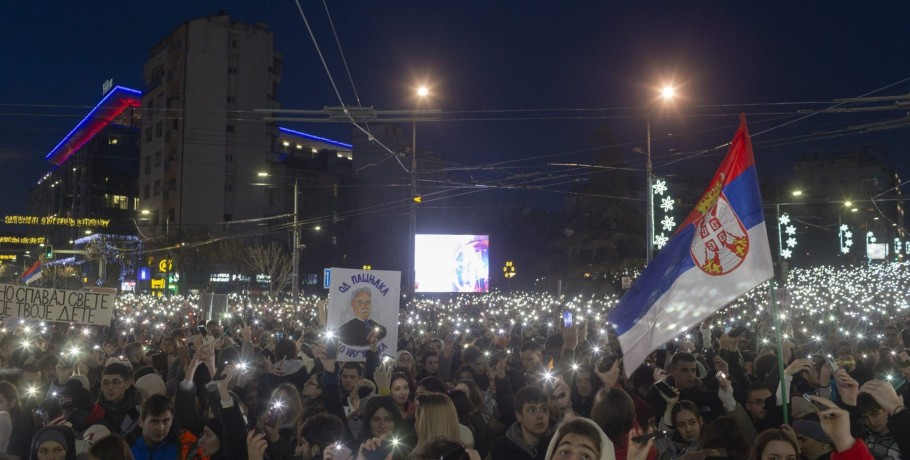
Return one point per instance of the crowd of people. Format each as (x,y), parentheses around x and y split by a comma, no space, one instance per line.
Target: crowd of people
(273,388)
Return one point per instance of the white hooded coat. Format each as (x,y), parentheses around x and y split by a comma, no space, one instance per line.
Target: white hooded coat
(606,446)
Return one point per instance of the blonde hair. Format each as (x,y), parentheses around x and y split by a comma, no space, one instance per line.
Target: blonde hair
(293,406)
(436,418)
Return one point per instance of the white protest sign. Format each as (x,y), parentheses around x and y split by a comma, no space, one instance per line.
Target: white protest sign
(56,305)
(363,302)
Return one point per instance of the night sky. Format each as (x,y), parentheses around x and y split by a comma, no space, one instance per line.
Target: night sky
(523,82)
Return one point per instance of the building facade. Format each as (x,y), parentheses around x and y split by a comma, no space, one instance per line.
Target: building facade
(202,141)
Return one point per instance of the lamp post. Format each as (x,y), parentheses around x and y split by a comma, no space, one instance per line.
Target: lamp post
(667,93)
(422,93)
(295,254)
(649,220)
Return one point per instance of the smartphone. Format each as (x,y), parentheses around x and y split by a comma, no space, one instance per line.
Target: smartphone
(202,330)
(665,388)
(817,404)
(606,363)
(832,363)
(331,351)
(274,413)
(709,356)
(382,452)
(659,434)
(735,333)
(567,320)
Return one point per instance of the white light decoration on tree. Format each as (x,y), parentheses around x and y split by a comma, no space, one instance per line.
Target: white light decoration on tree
(786,249)
(846,239)
(666,203)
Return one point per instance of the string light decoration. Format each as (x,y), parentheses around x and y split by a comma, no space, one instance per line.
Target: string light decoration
(846,239)
(666,203)
(784,227)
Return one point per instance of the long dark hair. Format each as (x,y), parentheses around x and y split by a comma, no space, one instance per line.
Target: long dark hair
(373,406)
(723,433)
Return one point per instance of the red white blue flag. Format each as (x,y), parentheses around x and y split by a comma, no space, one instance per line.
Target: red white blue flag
(33,273)
(719,252)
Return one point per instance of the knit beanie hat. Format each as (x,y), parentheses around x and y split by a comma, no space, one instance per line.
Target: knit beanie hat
(811,429)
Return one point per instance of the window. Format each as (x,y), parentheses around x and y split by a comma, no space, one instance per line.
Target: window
(145,191)
(230,128)
(172,184)
(112,141)
(148,134)
(232,100)
(232,70)
(148,165)
(159,129)
(175,125)
(157,187)
(229,158)
(228,187)
(157,158)
(119,202)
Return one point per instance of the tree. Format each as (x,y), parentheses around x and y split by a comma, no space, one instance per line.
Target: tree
(273,261)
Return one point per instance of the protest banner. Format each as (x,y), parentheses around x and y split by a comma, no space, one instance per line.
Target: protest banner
(56,305)
(363,302)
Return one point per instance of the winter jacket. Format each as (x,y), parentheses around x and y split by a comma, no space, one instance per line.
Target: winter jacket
(514,446)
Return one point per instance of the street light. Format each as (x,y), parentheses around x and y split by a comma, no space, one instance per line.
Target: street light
(422,93)
(667,93)
(295,256)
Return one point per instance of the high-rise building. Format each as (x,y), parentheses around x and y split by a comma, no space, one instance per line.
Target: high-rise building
(93,173)
(202,143)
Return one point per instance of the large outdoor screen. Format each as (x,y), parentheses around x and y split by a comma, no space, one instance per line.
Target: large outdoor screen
(452,263)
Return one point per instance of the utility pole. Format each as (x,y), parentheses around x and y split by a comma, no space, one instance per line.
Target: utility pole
(295,252)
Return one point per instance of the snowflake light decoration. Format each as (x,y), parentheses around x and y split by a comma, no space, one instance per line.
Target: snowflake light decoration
(784,227)
(658,189)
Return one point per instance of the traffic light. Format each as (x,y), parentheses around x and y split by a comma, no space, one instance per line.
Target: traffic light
(48,252)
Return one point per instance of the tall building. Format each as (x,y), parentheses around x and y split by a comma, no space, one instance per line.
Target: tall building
(202,143)
(93,173)
(851,187)
(89,197)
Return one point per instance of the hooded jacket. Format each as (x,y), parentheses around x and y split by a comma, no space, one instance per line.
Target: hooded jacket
(44,433)
(606,446)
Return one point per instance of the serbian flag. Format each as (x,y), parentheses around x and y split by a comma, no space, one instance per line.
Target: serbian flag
(32,274)
(718,253)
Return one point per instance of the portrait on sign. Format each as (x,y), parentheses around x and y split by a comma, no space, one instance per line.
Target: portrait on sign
(363,306)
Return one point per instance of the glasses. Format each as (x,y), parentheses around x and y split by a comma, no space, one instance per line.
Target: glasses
(111,383)
(363,302)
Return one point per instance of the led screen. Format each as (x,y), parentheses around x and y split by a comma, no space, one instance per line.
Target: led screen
(452,263)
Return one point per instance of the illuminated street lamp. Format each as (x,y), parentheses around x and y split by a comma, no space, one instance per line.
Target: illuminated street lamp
(422,93)
(667,93)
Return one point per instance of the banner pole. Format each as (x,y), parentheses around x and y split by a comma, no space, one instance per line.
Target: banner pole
(780,352)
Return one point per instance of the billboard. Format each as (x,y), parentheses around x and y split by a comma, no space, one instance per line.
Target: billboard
(452,263)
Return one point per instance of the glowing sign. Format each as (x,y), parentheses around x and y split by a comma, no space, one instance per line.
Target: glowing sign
(165,265)
(22,239)
(53,220)
(7,257)
(158,283)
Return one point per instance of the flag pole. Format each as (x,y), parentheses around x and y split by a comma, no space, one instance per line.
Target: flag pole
(784,394)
